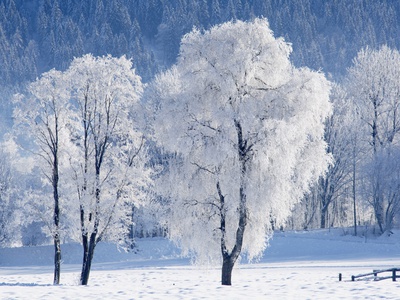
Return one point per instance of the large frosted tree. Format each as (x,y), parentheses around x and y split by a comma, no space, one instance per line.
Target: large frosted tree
(246,129)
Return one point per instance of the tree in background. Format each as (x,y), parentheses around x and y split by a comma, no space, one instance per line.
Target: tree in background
(8,201)
(247,129)
(339,130)
(374,87)
(316,210)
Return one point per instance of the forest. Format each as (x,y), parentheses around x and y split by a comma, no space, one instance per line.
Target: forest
(121,118)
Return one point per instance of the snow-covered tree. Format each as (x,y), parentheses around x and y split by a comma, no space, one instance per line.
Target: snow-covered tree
(82,124)
(8,204)
(373,84)
(106,151)
(18,211)
(339,135)
(41,117)
(247,131)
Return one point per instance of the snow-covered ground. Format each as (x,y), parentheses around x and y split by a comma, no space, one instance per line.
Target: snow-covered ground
(297,265)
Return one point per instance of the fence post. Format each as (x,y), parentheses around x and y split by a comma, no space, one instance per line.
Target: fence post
(340,276)
(394,275)
(352,278)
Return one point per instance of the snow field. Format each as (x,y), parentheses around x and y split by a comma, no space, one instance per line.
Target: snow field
(249,282)
(296,266)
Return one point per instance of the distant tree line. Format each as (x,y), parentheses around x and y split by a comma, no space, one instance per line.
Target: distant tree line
(36,36)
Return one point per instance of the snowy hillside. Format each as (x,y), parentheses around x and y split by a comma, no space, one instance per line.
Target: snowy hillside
(297,265)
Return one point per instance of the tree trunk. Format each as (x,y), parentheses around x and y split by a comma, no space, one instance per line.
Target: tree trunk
(227,267)
(88,251)
(326,195)
(378,209)
(229,258)
(56,219)
(379,218)
(354,193)
(89,245)
(57,258)
(389,216)
(324,211)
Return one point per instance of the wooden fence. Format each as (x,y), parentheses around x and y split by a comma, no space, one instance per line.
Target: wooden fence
(374,275)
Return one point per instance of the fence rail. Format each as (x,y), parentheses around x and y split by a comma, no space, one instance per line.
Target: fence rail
(375,273)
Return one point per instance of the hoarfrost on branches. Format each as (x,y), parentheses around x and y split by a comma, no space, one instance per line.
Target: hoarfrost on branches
(42,117)
(83,124)
(247,129)
(106,150)
(373,84)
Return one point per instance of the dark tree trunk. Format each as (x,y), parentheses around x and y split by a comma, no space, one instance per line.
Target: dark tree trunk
(90,244)
(57,259)
(88,252)
(227,267)
(56,217)
(354,193)
(229,259)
